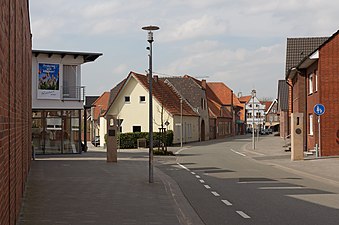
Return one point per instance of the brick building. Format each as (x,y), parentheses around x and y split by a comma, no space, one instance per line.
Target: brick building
(15,106)
(315,80)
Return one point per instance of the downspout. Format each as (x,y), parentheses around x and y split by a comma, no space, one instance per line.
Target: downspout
(288,116)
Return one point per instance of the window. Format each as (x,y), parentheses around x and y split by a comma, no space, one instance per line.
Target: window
(127,99)
(70,88)
(310,83)
(136,129)
(142,99)
(311,124)
(316,80)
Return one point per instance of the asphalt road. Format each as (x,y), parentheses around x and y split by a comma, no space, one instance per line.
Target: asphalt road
(224,186)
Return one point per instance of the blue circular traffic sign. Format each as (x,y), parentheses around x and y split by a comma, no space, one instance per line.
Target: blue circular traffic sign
(319,109)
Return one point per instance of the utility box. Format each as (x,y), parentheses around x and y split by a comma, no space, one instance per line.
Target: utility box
(297,136)
(112,126)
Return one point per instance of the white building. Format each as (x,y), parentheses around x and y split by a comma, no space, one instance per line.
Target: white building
(130,105)
(57,100)
(255,114)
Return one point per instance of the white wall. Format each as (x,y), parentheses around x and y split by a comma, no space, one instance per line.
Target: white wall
(136,113)
(55,103)
(102,131)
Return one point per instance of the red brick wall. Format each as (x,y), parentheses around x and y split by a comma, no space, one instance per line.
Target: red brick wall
(15,106)
(312,99)
(329,96)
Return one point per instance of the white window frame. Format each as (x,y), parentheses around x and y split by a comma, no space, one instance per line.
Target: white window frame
(310,83)
(129,97)
(316,80)
(310,117)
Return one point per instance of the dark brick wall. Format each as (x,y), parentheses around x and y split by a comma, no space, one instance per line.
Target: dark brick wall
(15,106)
(329,96)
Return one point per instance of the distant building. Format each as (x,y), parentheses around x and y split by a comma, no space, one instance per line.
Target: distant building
(283,109)
(271,115)
(255,114)
(98,121)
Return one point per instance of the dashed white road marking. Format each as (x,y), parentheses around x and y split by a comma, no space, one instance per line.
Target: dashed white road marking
(184,167)
(239,153)
(206,186)
(226,202)
(281,188)
(258,182)
(202,181)
(197,176)
(243,215)
(193,173)
(215,193)
(180,150)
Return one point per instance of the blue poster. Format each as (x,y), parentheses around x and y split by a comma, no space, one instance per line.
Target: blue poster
(48,76)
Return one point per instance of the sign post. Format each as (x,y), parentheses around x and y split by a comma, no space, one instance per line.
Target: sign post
(319,109)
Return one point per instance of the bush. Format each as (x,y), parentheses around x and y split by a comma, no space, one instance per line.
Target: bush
(129,140)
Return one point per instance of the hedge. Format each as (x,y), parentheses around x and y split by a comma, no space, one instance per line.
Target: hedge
(129,140)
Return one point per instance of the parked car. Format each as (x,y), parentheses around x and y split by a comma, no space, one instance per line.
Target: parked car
(96,141)
(270,131)
(264,131)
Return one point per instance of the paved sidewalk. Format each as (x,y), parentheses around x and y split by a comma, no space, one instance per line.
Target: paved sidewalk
(270,149)
(85,189)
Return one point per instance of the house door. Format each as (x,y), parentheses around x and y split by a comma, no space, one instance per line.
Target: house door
(202,138)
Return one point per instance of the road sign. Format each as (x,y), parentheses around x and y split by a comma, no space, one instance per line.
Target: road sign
(319,109)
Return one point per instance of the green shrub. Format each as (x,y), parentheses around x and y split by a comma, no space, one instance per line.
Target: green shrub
(129,140)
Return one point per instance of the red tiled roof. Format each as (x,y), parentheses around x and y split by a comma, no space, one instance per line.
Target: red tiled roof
(267,104)
(245,99)
(166,96)
(224,93)
(216,110)
(100,105)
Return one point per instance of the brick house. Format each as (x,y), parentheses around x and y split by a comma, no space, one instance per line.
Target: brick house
(314,79)
(283,110)
(15,107)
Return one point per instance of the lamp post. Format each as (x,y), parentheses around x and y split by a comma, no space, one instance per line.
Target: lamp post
(150,30)
(253,137)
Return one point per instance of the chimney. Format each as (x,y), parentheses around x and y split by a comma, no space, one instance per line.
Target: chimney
(156,78)
(203,84)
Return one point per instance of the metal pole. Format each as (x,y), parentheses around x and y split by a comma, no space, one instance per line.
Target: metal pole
(181,125)
(319,149)
(150,78)
(253,138)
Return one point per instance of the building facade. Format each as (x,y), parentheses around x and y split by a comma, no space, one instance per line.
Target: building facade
(315,81)
(15,107)
(57,100)
(255,114)
(129,103)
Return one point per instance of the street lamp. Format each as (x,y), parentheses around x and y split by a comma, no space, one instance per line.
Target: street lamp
(150,30)
(253,96)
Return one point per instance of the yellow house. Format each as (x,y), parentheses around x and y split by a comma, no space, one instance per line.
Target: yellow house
(129,104)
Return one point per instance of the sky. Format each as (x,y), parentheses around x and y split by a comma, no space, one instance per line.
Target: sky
(239,42)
